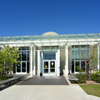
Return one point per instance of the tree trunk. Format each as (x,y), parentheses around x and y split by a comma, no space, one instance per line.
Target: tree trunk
(89,75)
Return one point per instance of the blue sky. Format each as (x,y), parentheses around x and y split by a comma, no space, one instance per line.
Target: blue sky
(35,17)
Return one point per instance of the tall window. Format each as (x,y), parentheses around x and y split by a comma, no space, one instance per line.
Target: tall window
(23,67)
(78,56)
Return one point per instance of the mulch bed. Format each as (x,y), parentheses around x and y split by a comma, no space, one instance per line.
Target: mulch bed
(89,82)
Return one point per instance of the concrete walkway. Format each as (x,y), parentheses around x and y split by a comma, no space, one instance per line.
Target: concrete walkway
(43,92)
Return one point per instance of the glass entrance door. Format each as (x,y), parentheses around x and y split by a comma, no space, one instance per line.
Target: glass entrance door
(22,68)
(49,68)
(52,67)
(77,64)
(46,67)
(81,64)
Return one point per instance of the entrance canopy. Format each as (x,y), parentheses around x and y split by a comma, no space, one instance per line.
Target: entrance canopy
(50,39)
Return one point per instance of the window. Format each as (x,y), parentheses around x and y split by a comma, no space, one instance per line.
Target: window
(50,48)
(78,55)
(25,60)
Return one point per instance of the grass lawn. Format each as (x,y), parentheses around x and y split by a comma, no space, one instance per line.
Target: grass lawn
(92,89)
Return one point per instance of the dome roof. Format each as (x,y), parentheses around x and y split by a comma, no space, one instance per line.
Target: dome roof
(50,33)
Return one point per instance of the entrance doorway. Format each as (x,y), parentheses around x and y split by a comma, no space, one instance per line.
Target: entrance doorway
(49,67)
(48,63)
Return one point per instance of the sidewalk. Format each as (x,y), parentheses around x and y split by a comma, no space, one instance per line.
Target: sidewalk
(45,92)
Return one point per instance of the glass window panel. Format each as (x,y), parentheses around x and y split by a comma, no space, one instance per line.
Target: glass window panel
(62,36)
(52,70)
(50,48)
(77,54)
(8,38)
(25,37)
(45,70)
(53,48)
(43,48)
(72,66)
(27,48)
(52,37)
(2,40)
(72,54)
(28,68)
(27,55)
(83,46)
(72,35)
(72,46)
(20,48)
(34,37)
(52,64)
(84,54)
(23,55)
(19,68)
(46,64)
(44,37)
(83,65)
(49,56)
(47,48)
(77,64)
(76,46)
(81,35)
(23,70)
(91,35)
(23,66)
(16,38)
(14,68)
(24,48)
(19,59)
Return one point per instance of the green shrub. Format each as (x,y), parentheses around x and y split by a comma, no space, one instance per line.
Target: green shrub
(4,77)
(98,79)
(94,76)
(82,78)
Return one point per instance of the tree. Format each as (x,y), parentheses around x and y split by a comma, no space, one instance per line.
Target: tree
(1,62)
(91,59)
(8,58)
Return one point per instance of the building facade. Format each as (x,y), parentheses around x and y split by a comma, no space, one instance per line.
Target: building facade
(51,54)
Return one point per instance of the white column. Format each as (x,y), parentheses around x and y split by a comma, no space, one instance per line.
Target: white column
(38,62)
(34,59)
(66,59)
(98,57)
(42,63)
(31,60)
(58,63)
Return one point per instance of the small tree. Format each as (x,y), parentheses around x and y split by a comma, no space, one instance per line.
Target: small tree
(8,58)
(1,62)
(91,59)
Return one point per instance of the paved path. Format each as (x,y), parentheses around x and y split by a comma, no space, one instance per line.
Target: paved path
(45,80)
(43,92)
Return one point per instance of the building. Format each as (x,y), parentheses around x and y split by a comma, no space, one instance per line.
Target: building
(50,53)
